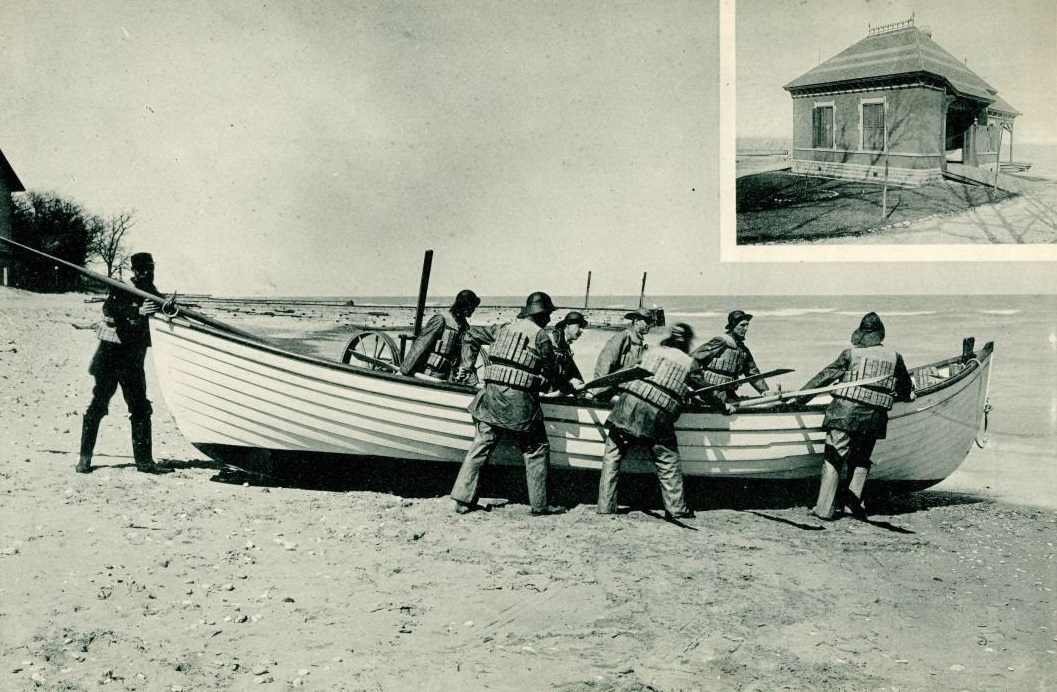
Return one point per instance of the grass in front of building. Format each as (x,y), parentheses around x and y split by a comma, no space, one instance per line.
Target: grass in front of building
(778,206)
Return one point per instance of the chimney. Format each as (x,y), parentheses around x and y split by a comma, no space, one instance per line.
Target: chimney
(927,30)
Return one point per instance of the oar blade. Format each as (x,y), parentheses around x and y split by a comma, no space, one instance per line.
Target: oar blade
(635,372)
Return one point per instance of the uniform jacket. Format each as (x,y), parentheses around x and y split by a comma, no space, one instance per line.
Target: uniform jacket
(510,407)
(853,417)
(121,318)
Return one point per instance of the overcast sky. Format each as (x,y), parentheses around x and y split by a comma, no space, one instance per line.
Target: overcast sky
(1011,45)
(301,147)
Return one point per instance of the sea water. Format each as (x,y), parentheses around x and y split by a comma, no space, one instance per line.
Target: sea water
(806,333)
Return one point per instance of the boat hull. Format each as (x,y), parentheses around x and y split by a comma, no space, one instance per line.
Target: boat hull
(242,401)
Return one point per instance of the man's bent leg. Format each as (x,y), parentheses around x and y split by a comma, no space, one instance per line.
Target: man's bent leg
(485,440)
(670,475)
(536,451)
(837,449)
(859,462)
(616,448)
(102,392)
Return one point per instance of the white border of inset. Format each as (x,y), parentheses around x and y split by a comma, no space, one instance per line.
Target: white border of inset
(730,251)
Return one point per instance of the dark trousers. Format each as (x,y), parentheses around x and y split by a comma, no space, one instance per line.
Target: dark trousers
(115,366)
(535,449)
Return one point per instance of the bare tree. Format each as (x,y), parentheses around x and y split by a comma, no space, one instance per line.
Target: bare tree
(108,240)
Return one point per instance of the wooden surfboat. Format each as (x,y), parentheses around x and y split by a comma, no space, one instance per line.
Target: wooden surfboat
(238,399)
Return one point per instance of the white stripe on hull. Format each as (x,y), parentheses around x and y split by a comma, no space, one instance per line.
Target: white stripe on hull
(227,391)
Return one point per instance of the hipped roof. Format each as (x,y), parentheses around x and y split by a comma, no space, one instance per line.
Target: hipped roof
(905,51)
(8,174)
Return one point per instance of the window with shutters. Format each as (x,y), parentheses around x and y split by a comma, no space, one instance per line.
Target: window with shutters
(822,127)
(873,126)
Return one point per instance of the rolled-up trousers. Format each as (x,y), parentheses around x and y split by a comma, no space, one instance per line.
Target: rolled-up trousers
(535,450)
(665,456)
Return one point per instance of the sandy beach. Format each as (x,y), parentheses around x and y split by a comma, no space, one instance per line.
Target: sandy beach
(214,579)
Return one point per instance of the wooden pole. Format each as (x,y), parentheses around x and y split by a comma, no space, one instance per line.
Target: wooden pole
(884,190)
(587,293)
(132,290)
(642,291)
(998,156)
(423,288)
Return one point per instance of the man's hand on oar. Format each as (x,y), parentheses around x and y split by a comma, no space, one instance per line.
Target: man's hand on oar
(805,394)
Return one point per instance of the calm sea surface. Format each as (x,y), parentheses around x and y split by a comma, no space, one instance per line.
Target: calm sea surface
(806,333)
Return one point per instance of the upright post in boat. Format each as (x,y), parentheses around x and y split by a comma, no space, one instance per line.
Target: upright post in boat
(587,293)
(642,291)
(423,287)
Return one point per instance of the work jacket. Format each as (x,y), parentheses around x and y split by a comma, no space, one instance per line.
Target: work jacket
(649,408)
(864,410)
(521,361)
(722,359)
(563,353)
(436,350)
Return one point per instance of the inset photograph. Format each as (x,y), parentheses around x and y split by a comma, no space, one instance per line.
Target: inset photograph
(862,123)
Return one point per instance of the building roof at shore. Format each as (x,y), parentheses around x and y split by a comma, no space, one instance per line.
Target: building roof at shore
(8,174)
(884,55)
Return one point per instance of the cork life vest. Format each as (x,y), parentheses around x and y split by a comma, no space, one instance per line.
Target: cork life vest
(872,361)
(514,361)
(727,366)
(666,388)
(442,355)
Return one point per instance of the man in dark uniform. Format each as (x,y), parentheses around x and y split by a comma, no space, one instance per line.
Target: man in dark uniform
(564,332)
(124,338)
(436,350)
(857,416)
(726,357)
(625,348)
(645,413)
(521,362)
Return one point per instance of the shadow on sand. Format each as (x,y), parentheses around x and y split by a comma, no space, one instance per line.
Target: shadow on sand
(418,479)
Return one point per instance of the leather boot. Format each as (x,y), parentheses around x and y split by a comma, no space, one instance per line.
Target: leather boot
(89,433)
(142,450)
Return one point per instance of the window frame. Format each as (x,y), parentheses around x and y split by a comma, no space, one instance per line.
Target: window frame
(863,103)
(822,106)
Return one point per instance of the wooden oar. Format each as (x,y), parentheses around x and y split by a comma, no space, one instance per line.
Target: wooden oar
(757,401)
(635,372)
(113,283)
(743,380)
(376,362)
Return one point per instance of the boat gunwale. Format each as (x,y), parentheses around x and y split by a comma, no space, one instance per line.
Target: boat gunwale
(973,362)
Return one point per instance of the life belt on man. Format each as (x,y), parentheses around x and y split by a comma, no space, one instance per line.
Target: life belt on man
(727,366)
(872,361)
(514,361)
(440,359)
(666,388)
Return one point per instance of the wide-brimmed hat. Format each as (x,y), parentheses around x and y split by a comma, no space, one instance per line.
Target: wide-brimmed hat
(639,314)
(536,303)
(871,331)
(572,317)
(735,316)
(141,260)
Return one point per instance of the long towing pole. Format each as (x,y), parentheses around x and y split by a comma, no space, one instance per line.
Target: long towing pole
(121,286)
